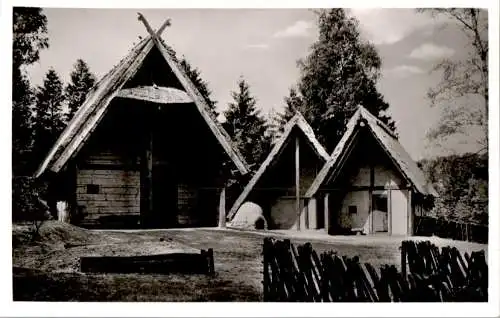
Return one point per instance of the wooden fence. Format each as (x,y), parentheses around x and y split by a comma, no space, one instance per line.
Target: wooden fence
(293,274)
(451,276)
(428,226)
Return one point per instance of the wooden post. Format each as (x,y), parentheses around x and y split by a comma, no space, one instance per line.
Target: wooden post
(326,207)
(297,180)
(306,214)
(146,204)
(370,199)
(389,208)
(409,214)
(222,208)
(403,258)
(210,255)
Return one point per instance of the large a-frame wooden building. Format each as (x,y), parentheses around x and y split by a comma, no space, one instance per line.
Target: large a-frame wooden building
(144,148)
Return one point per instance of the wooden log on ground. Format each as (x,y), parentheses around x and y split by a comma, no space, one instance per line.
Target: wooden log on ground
(210,258)
(190,263)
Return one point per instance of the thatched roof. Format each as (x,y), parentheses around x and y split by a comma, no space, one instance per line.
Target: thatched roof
(297,121)
(110,86)
(390,144)
(156,94)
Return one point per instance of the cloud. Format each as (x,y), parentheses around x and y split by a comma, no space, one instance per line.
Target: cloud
(388,26)
(257,46)
(430,51)
(404,71)
(298,29)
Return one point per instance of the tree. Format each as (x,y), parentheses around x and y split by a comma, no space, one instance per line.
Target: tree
(194,75)
(463,90)
(82,81)
(462,184)
(293,103)
(339,74)
(29,37)
(246,126)
(49,118)
(22,133)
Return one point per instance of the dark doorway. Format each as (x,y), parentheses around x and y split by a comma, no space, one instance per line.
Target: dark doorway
(164,198)
(320,211)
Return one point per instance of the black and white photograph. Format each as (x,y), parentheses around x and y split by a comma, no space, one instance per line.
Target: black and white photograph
(252,155)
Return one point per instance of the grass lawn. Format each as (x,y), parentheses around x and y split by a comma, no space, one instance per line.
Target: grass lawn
(49,269)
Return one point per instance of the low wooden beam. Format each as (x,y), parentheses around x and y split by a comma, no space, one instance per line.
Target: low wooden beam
(186,263)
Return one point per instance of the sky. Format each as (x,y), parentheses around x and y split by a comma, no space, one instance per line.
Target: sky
(263,46)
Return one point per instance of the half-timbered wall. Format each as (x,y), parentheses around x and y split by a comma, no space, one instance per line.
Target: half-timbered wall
(275,191)
(367,174)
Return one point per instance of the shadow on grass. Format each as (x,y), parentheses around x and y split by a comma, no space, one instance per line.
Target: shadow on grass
(34,285)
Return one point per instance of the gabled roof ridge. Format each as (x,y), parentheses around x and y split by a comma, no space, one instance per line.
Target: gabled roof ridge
(391,146)
(351,125)
(200,102)
(369,116)
(311,136)
(99,97)
(84,112)
(297,120)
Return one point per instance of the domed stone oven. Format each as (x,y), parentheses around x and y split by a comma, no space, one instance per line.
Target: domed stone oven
(249,216)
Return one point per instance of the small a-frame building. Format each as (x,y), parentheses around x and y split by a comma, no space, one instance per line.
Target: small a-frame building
(370,184)
(143,149)
(279,185)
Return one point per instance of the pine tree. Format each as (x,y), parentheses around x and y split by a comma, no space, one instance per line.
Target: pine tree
(194,75)
(339,74)
(49,117)
(246,126)
(29,37)
(293,103)
(22,132)
(82,81)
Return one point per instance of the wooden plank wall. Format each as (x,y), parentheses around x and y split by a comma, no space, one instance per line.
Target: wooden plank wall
(109,157)
(119,192)
(186,201)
